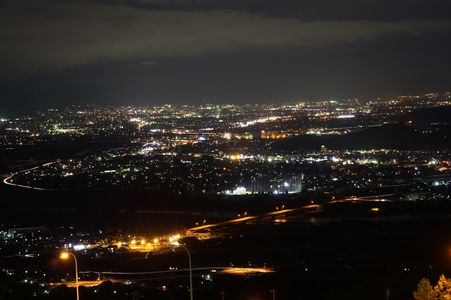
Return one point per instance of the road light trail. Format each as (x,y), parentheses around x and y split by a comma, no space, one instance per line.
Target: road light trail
(84,283)
(250,218)
(374,198)
(7,179)
(224,270)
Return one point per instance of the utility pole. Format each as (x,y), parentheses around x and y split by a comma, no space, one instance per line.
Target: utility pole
(273,292)
(190,271)
(135,295)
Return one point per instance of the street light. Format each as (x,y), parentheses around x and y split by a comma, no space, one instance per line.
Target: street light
(177,244)
(65,255)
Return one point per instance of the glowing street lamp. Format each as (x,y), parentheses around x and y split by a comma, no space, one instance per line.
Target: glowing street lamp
(66,255)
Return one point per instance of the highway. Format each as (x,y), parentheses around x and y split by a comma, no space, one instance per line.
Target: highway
(373,198)
(213,269)
(169,240)
(272,214)
(241,220)
(284,212)
(84,283)
(7,179)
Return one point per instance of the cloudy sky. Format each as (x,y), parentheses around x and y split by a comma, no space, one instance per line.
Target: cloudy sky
(55,53)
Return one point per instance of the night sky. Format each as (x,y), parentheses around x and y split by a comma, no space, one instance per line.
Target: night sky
(55,53)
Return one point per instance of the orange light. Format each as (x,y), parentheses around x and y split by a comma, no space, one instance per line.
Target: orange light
(64,255)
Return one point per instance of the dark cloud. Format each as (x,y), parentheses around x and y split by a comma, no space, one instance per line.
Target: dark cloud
(62,35)
(148,51)
(308,10)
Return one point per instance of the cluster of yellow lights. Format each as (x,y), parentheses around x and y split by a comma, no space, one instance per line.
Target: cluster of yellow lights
(135,244)
(273,135)
(245,271)
(174,238)
(236,157)
(143,244)
(84,283)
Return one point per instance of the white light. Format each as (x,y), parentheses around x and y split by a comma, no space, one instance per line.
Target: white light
(79,247)
(240,190)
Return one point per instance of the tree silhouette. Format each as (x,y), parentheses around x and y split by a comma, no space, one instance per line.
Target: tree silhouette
(424,290)
(441,291)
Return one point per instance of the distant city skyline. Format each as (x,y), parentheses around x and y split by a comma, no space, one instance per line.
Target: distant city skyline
(145,52)
(33,111)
